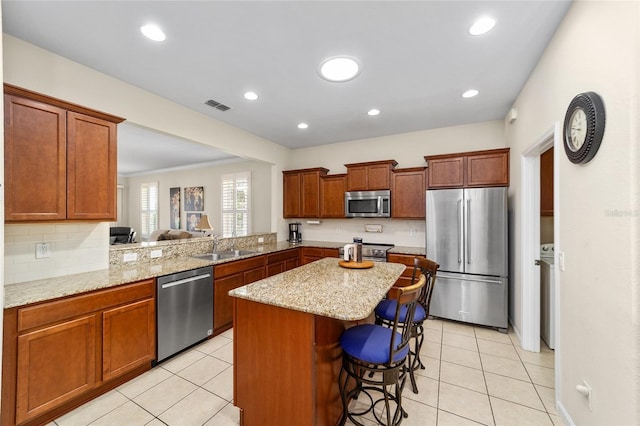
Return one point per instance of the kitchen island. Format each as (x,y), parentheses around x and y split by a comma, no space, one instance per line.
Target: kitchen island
(286,332)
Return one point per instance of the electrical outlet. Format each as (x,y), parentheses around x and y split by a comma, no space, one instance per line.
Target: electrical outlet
(43,250)
(261,239)
(155,254)
(130,257)
(413,232)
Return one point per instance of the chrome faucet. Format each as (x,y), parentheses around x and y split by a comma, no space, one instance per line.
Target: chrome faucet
(215,243)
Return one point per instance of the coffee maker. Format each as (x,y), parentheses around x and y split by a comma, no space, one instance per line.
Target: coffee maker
(295,236)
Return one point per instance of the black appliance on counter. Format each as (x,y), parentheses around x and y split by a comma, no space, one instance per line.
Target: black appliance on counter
(295,236)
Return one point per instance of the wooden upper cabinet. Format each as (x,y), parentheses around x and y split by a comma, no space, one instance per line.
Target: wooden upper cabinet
(488,169)
(371,176)
(469,169)
(34,160)
(446,172)
(332,189)
(301,192)
(91,168)
(408,188)
(546,183)
(60,159)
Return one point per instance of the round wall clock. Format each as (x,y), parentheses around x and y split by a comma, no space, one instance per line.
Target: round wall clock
(584,127)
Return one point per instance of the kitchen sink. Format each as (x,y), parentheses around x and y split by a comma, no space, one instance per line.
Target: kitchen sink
(220,255)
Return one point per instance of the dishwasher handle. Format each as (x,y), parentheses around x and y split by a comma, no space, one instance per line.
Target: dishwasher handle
(185,281)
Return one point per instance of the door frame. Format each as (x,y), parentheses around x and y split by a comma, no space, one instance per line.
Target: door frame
(530,234)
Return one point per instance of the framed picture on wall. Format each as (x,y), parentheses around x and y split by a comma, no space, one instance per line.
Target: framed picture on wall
(194,199)
(193,219)
(174,201)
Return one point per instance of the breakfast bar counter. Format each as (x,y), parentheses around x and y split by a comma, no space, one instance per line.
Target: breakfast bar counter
(286,332)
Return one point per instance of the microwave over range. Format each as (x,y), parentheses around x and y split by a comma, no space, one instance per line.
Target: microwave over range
(367,204)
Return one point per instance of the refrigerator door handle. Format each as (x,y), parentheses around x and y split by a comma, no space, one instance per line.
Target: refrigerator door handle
(468,233)
(460,233)
(467,278)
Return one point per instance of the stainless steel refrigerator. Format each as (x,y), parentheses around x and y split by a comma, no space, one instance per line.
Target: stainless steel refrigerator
(467,235)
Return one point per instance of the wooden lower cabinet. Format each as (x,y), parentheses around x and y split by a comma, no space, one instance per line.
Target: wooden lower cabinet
(282,261)
(228,276)
(60,354)
(405,259)
(128,338)
(311,254)
(55,364)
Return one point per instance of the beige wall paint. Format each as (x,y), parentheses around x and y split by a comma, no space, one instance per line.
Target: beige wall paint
(595,49)
(209,177)
(408,149)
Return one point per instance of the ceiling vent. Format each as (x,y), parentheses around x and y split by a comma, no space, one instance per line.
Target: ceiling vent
(217,105)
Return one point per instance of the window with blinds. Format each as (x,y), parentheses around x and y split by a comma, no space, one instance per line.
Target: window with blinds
(235,204)
(148,208)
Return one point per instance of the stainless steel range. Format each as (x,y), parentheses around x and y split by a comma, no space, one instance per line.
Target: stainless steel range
(374,252)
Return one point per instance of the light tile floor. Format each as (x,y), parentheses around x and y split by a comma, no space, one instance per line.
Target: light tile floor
(473,375)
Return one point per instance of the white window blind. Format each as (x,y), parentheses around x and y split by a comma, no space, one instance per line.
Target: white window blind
(235,204)
(148,208)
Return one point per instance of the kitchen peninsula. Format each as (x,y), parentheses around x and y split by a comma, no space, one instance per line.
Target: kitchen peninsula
(287,355)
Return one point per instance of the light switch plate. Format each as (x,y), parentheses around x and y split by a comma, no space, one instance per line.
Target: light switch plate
(561,260)
(155,254)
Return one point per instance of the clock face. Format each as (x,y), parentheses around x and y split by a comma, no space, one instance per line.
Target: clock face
(578,134)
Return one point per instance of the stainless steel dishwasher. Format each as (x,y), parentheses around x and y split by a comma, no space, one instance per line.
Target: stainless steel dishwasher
(184,310)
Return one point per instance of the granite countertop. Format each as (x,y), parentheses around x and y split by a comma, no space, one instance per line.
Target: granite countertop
(24,293)
(325,288)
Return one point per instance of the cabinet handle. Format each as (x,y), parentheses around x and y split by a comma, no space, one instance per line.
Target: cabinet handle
(185,281)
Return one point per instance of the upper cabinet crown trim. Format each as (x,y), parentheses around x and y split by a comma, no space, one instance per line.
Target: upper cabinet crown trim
(10,89)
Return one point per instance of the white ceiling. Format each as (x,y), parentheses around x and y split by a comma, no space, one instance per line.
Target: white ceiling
(416,60)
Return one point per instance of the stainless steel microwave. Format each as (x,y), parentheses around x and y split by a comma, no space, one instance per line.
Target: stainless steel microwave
(367,204)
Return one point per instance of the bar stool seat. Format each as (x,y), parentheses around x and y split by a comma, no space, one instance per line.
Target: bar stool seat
(381,352)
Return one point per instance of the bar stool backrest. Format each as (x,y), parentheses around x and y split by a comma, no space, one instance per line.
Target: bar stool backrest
(429,269)
(406,298)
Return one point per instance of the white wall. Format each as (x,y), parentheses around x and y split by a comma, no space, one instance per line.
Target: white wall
(209,177)
(408,149)
(596,48)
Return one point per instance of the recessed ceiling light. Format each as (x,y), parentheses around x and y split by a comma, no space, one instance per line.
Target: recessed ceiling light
(251,96)
(153,32)
(482,25)
(303,126)
(470,93)
(373,111)
(339,68)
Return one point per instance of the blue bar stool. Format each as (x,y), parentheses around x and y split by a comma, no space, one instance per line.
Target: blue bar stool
(382,352)
(386,309)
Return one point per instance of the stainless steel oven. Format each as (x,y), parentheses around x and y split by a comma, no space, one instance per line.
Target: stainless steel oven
(367,204)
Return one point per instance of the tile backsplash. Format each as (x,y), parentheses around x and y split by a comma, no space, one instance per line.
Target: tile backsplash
(75,247)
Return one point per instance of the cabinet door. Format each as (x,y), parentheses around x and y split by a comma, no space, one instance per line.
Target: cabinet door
(446,172)
(490,169)
(275,269)
(34,158)
(378,177)
(291,264)
(310,202)
(291,194)
(332,189)
(546,183)
(55,364)
(128,338)
(357,178)
(223,304)
(253,275)
(91,168)
(408,194)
